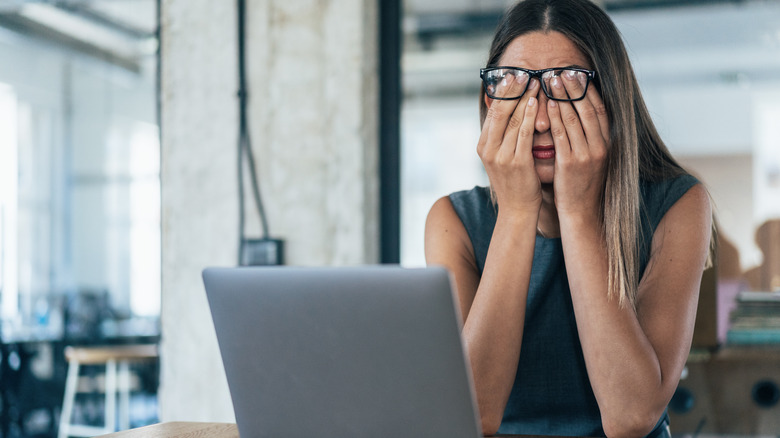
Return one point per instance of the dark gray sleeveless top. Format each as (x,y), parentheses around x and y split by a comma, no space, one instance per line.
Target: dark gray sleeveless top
(552,393)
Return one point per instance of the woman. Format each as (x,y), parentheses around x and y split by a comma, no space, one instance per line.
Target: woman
(578,270)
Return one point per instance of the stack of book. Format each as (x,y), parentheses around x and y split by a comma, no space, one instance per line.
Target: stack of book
(756,319)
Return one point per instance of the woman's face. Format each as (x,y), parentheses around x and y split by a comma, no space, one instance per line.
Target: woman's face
(537,51)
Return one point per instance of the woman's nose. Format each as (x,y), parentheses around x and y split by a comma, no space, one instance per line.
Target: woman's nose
(542,123)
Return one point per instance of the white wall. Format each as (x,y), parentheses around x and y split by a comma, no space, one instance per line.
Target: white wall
(313,114)
(729,179)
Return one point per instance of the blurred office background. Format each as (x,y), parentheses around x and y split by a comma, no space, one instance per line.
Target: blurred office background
(79,199)
(83,214)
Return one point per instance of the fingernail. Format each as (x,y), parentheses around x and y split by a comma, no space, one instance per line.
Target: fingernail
(570,74)
(556,82)
(531,102)
(553,103)
(533,85)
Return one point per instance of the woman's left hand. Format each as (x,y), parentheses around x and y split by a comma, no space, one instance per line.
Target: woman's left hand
(580,132)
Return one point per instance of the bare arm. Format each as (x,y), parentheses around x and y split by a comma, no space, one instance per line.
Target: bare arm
(634,358)
(493,309)
(493,306)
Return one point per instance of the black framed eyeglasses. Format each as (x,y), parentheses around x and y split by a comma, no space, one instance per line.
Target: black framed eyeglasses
(508,83)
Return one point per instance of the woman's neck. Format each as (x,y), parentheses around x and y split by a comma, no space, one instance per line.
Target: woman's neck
(548,225)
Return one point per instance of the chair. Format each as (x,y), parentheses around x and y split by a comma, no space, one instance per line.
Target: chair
(110,356)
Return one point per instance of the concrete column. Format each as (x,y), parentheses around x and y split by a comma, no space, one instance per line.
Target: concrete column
(313,115)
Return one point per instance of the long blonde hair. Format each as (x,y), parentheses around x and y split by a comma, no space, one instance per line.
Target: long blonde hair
(636,151)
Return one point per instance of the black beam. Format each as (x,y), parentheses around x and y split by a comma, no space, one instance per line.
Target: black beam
(390,14)
(432,25)
(458,24)
(631,5)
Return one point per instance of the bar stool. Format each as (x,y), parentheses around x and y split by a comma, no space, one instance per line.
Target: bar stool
(109,356)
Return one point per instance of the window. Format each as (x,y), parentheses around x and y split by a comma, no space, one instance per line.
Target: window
(79,166)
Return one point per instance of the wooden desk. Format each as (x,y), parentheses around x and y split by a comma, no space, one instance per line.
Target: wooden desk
(202,430)
(180,430)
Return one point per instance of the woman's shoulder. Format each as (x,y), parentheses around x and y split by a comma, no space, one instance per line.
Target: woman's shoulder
(474,207)
(477,196)
(659,195)
(682,193)
(667,185)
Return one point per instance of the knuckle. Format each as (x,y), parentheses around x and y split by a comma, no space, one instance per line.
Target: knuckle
(515,122)
(494,113)
(481,145)
(525,131)
(558,131)
(571,119)
(588,113)
(502,160)
(600,109)
(485,156)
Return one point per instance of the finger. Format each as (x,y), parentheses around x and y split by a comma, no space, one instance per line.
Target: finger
(574,82)
(594,97)
(525,137)
(568,116)
(501,110)
(558,131)
(511,85)
(517,120)
(483,134)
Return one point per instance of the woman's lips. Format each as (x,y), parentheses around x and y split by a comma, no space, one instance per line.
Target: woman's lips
(544,152)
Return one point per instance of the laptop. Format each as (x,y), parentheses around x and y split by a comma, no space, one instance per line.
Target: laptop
(342,352)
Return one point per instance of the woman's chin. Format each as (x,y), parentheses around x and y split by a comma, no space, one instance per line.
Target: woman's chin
(545,173)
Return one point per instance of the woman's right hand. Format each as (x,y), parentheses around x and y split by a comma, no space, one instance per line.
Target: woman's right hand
(505,150)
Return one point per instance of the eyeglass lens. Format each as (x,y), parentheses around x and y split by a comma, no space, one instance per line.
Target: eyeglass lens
(508,83)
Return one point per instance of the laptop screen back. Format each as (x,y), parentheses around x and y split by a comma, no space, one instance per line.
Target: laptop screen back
(341,352)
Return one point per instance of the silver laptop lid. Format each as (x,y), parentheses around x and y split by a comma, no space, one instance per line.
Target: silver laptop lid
(342,352)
